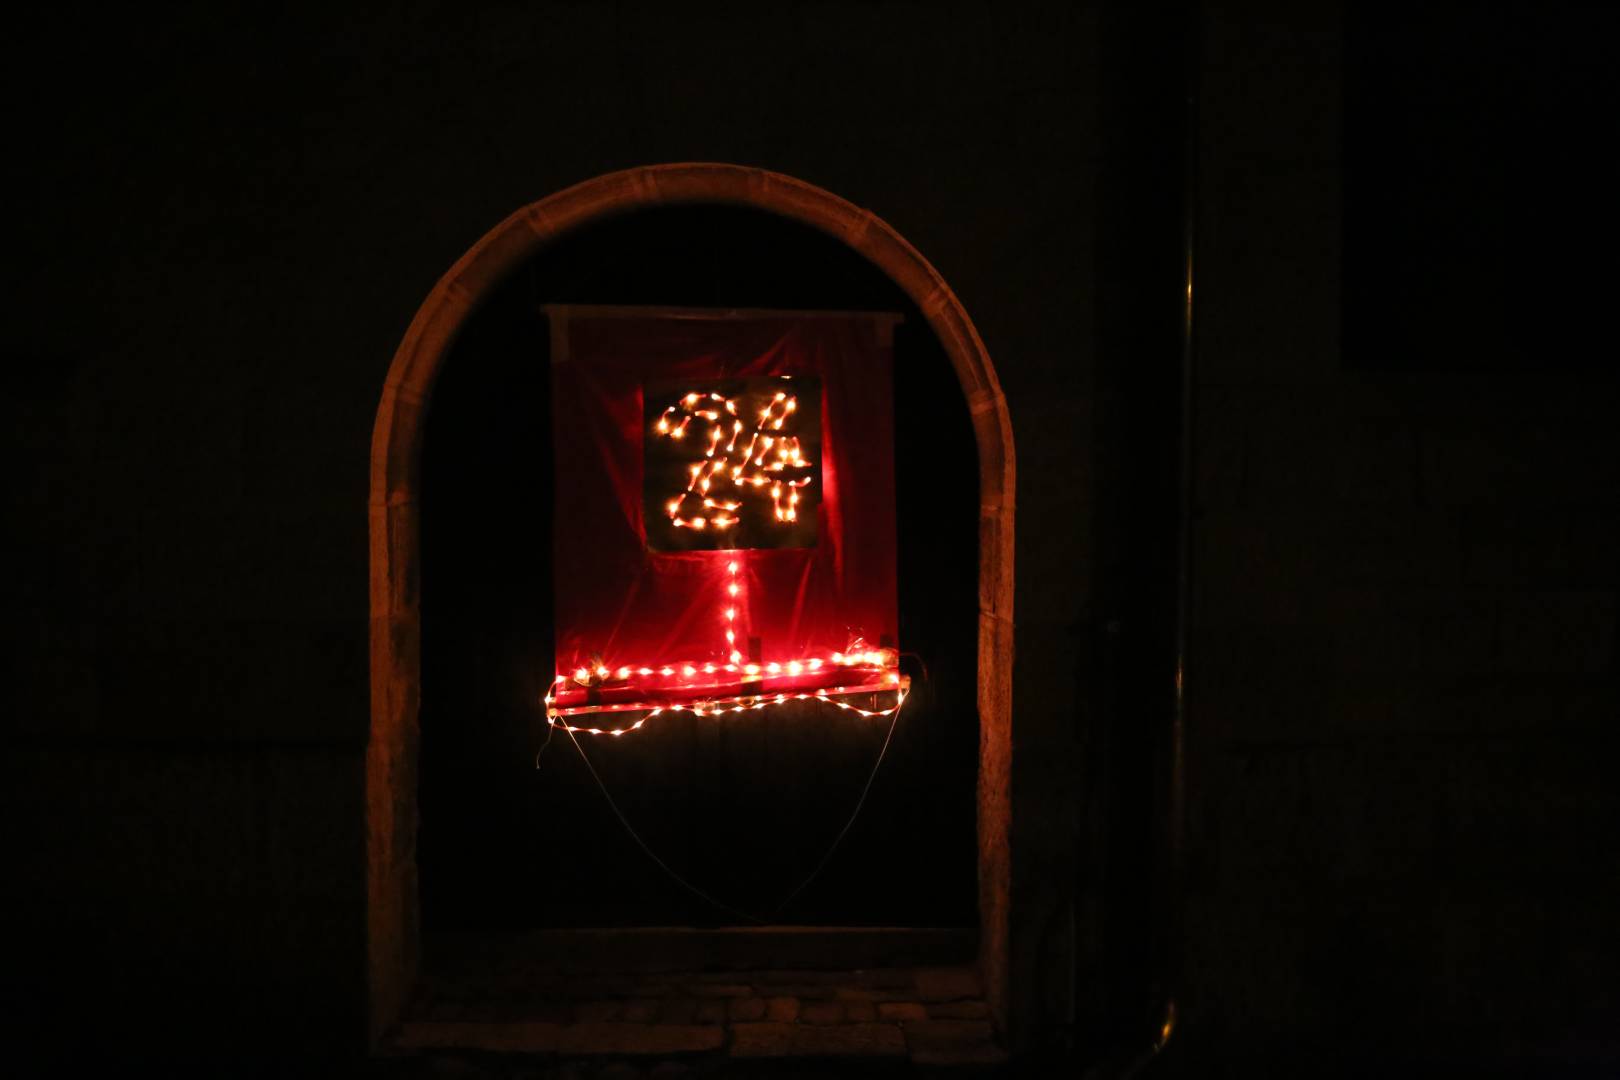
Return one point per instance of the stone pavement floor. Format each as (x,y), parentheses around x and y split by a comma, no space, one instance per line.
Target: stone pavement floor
(880,1021)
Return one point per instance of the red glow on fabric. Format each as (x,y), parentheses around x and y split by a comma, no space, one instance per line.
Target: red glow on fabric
(619,604)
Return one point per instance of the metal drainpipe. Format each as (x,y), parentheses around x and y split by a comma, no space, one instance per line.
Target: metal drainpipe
(1176,797)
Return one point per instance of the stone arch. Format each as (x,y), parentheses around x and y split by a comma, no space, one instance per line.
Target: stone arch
(391,785)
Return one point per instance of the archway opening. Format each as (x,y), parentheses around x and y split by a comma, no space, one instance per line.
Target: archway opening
(745,808)
(483,662)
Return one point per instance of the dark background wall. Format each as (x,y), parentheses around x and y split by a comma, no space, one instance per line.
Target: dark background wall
(1405,609)
(1403,658)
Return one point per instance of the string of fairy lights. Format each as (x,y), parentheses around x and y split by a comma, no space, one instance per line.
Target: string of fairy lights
(767,458)
(745,704)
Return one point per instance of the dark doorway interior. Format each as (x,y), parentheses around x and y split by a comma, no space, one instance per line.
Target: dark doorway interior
(744,810)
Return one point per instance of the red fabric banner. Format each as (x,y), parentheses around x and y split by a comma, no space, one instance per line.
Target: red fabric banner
(689,426)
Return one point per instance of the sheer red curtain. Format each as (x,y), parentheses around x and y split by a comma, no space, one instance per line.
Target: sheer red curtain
(637,626)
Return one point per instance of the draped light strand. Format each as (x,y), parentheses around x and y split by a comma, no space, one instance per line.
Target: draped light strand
(601,673)
(732,589)
(736,705)
(766,459)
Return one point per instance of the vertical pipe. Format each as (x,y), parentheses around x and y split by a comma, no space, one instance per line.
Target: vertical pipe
(1176,751)
(1172,875)
(1176,802)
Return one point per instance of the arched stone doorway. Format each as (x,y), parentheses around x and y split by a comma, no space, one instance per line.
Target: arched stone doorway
(391,784)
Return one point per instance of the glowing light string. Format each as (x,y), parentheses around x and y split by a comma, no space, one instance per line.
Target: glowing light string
(731,601)
(715,489)
(768,458)
(898,684)
(876,668)
(601,674)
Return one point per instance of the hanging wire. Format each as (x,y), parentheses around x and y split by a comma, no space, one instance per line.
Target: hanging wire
(825,859)
(871,778)
(921,663)
(551,729)
(642,844)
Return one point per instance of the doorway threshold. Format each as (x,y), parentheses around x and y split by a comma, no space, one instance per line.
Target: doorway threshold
(706,999)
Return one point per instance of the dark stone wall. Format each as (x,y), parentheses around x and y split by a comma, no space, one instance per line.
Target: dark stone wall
(1403,659)
(226,224)
(1403,649)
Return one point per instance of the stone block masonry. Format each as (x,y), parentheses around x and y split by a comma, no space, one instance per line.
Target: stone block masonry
(674,1021)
